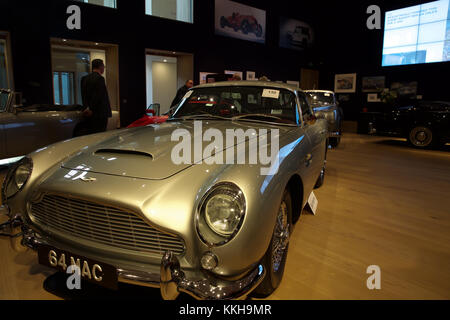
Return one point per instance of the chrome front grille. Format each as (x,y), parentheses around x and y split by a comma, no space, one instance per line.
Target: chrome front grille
(102,224)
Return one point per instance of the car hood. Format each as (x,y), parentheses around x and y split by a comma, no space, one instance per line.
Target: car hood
(145,152)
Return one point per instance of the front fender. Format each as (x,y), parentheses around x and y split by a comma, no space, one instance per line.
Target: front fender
(48,159)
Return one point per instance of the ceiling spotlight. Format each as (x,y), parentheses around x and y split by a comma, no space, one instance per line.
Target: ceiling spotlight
(96,43)
(173,52)
(64,40)
(165,60)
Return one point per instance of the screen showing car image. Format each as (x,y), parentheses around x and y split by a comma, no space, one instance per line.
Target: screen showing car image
(418,34)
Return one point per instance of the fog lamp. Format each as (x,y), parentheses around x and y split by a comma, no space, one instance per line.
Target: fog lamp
(209,261)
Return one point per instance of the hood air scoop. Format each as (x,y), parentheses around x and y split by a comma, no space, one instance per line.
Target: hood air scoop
(122,152)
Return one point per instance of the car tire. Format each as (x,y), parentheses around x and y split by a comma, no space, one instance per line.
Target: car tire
(223,22)
(421,137)
(259,31)
(245,26)
(321,178)
(274,259)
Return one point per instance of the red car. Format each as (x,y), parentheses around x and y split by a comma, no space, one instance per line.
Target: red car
(149,118)
(248,24)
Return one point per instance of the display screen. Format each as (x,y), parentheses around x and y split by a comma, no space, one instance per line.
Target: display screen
(418,34)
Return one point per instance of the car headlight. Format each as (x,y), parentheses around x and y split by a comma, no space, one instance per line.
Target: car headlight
(16,178)
(220,214)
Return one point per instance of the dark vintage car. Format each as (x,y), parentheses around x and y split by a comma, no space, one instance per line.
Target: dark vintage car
(423,123)
(248,24)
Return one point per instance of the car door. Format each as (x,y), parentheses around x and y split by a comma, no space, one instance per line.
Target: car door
(316,131)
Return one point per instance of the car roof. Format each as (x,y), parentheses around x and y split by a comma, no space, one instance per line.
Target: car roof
(250,83)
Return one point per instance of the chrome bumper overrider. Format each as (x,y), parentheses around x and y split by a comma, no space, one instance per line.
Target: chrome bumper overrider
(172,279)
(173,282)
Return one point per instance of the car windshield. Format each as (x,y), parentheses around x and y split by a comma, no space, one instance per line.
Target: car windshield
(239,103)
(317,98)
(3,100)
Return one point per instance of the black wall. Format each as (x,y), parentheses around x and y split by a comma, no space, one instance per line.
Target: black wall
(343,45)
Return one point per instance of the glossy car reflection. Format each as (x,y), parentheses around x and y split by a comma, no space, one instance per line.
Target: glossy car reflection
(212,230)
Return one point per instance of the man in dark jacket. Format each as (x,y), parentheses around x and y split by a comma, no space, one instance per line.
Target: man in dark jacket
(181,92)
(95,98)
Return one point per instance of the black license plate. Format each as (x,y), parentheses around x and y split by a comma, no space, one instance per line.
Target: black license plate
(93,271)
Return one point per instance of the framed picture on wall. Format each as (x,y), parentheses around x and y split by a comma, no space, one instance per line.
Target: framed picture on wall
(405,88)
(345,83)
(373,84)
(373,97)
(239,21)
(239,73)
(203,76)
(295,34)
(250,75)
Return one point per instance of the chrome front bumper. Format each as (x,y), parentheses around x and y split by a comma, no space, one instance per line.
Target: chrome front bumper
(172,279)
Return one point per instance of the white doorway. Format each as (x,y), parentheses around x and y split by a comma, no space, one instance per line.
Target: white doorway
(166,72)
(161,81)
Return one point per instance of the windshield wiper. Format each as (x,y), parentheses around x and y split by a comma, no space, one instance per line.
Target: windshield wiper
(263,118)
(203,116)
(256,116)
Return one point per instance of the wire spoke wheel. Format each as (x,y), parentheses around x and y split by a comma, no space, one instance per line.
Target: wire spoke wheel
(274,259)
(281,237)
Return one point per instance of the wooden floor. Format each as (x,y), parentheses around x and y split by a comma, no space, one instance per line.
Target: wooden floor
(382,203)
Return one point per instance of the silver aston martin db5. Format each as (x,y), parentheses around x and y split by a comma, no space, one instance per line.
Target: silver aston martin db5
(203,204)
